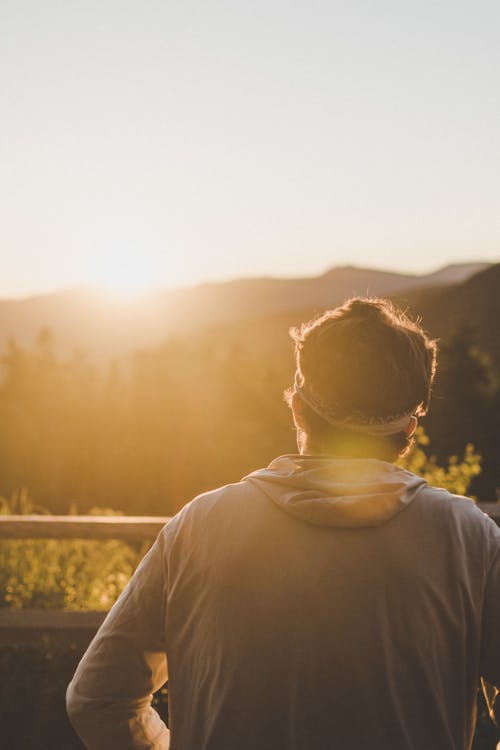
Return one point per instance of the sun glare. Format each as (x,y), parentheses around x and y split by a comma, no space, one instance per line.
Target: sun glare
(126,286)
(125,277)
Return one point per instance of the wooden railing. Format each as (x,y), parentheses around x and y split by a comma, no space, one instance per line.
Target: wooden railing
(125,528)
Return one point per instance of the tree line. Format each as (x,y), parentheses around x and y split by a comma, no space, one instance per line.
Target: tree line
(148,434)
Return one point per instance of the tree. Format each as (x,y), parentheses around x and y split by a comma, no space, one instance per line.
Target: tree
(466,408)
(455,476)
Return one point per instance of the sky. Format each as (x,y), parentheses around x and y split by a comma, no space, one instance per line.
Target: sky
(159,142)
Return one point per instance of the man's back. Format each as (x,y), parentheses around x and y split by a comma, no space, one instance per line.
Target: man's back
(329,601)
(322,604)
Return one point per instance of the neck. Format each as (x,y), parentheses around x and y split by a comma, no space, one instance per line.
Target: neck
(352,448)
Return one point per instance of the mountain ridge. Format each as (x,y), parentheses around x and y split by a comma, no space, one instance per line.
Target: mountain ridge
(103,328)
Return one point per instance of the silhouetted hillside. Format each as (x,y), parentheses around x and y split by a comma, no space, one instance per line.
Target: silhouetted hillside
(474,303)
(103,327)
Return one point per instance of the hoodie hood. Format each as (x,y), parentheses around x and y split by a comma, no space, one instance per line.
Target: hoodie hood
(340,492)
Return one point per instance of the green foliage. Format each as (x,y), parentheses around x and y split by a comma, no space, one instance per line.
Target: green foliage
(64,574)
(466,407)
(456,476)
(202,410)
(149,435)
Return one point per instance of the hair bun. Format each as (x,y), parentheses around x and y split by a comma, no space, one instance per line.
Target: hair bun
(364,307)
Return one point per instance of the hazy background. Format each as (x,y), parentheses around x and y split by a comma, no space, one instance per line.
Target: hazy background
(213,145)
(202,148)
(168,142)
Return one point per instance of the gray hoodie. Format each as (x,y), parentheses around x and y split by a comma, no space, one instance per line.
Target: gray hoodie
(317,604)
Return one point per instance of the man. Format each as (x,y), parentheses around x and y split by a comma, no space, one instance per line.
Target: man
(332,600)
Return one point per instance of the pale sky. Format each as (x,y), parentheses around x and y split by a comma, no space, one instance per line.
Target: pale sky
(170,142)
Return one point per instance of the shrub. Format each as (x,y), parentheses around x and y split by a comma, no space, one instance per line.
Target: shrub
(62,574)
(456,476)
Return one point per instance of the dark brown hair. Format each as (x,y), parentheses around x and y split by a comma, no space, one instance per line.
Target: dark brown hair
(366,361)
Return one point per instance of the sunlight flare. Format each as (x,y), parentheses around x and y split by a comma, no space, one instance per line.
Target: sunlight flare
(124,275)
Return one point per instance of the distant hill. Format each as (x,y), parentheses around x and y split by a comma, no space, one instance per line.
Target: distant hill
(475,302)
(88,321)
(455,273)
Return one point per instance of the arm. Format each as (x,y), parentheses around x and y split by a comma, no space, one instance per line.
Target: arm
(490,648)
(490,693)
(109,697)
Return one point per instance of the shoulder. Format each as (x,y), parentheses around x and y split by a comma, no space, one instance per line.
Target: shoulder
(447,502)
(216,507)
(209,530)
(458,515)
(447,505)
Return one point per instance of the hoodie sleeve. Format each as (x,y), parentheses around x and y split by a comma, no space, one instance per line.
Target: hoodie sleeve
(490,651)
(109,697)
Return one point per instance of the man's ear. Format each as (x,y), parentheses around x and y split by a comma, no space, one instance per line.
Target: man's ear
(411,427)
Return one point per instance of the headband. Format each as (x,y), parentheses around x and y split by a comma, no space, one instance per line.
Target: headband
(377,427)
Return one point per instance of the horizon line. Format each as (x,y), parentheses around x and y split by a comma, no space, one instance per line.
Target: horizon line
(148,290)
